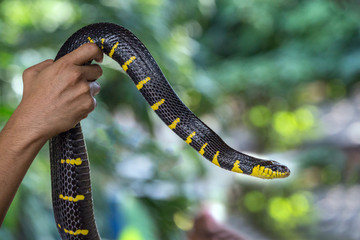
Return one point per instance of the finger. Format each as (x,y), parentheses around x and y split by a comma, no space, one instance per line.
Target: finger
(91,72)
(94,88)
(84,54)
(85,106)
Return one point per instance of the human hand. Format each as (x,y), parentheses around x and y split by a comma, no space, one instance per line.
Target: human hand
(57,95)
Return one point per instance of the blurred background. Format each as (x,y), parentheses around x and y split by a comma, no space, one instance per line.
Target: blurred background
(278,79)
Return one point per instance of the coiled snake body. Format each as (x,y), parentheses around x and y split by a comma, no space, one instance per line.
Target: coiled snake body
(70,172)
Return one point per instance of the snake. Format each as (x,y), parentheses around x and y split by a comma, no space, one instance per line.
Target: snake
(69,162)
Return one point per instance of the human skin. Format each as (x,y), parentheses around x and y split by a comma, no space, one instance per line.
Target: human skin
(56,96)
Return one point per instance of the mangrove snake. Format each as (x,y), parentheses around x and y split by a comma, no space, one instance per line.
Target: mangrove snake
(70,171)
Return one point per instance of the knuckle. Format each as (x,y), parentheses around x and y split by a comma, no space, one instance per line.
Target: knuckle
(75,75)
(62,63)
(49,61)
(85,88)
(89,104)
(27,73)
(61,68)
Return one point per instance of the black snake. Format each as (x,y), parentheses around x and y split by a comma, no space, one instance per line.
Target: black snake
(70,172)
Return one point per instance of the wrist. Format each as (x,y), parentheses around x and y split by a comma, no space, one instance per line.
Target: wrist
(20,143)
(23,127)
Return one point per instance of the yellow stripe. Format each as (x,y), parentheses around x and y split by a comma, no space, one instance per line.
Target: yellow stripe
(267,173)
(215,160)
(59,225)
(77,232)
(77,161)
(236,167)
(258,171)
(156,105)
(91,40)
(113,49)
(188,139)
(127,63)
(102,43)
(174,123)
(72,199)
(142,82)
(202,149)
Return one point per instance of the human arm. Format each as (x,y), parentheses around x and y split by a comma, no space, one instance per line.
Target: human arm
(56,96)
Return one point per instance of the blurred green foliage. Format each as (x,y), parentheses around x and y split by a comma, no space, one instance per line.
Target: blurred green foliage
(258,68)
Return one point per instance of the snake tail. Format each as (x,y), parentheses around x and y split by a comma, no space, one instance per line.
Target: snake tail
(71,187)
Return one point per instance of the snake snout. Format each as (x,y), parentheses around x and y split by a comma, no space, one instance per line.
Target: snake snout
(278,168)
(270,169)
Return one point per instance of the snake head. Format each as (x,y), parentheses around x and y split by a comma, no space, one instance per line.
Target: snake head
(270,169)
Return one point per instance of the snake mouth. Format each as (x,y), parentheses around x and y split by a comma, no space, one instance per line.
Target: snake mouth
(270,170)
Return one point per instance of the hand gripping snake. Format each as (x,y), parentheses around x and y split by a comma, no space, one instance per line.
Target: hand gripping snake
(70,170)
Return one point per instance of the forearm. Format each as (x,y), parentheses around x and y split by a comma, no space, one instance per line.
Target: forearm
(19,144)
(56,96)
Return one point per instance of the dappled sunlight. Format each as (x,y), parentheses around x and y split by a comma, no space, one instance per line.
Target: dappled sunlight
(132,233)
(46,15)
(293,125)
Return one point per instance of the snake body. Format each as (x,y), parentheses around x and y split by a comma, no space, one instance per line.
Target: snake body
(70,171)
